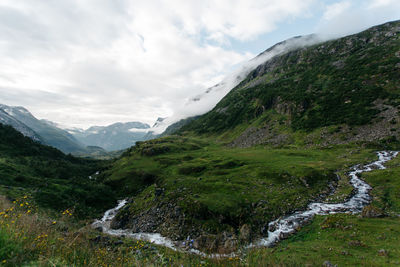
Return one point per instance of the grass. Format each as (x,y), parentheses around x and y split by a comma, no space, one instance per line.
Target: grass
(220,188)
(347,240)
(56,181)
(341,239)
(30,237)
(305,85)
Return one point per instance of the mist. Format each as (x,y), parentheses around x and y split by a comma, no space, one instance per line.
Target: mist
(202,103)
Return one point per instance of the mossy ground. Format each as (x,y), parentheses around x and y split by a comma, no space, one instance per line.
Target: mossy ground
(221,188)
(34,238)
(347,240)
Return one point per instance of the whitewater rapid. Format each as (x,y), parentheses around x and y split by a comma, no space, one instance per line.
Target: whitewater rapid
(278,229)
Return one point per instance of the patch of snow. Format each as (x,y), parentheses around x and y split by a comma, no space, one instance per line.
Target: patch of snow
(136,130)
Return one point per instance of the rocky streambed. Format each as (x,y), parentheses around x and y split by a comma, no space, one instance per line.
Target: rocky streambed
(278,229)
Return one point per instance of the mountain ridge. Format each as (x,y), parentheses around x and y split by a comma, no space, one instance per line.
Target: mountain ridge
(323,85)
(116,136)
(270,146)
(48,133)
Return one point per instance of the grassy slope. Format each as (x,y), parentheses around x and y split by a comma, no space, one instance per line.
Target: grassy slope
(347,239)
(221,189)
(56,180)
(332,83)
(37,239)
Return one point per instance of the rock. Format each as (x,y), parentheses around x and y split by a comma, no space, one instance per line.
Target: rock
(328,264)
(245,233)
(272,227)
(345,253)
(355,243)
(230,244)
(383,252)
(372,212)
(205,242)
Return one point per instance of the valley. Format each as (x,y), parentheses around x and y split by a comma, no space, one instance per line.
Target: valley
(297,165)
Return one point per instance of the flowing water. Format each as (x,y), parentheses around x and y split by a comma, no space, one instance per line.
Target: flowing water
(278,229)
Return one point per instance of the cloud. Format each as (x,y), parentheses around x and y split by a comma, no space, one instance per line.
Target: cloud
(90,62)
(383,3)
(336,9)
(345,17)
(203,102)
(95,62)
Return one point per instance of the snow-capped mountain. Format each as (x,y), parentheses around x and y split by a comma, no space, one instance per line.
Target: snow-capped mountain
(7,119)
(40,130)
(113,137)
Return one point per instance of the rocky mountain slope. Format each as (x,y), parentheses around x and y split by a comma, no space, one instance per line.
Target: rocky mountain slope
(44,130)
(348,88)
(113,137)
(221,195)
(7,119)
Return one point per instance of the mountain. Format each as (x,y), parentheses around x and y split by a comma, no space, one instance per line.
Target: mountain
(277,141)
(7,119)
(113,137)
(45,130)
(349,87)
(296,137)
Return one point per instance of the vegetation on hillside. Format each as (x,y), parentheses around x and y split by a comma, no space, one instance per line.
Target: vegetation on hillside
(56,180)
(212,190)
(31,237)
(333,83)
(220,196)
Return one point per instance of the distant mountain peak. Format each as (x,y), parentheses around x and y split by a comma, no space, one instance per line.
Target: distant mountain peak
(117,136)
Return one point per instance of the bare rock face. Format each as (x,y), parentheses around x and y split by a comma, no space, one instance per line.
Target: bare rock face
(224,243)
(245,233)
(372,212)
(207,242)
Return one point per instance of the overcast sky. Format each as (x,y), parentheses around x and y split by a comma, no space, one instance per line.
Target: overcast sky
(96,62)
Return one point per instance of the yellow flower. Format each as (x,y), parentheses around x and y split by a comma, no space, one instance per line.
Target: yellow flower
(21,205)
(54,222)
(4,261)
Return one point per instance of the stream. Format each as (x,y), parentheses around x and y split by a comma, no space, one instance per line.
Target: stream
(278,229)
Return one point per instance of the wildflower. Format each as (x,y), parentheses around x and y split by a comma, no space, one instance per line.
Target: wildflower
(4,261)
(21,205)
(54,222)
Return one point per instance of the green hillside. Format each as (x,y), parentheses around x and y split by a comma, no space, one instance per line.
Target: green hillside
(284,137)
(348,82)
(313,112)
(56,180)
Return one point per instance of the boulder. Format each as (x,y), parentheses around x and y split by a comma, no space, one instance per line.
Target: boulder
(372,212)
(245,233)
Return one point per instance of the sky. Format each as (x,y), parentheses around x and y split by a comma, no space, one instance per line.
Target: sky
(95,62)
